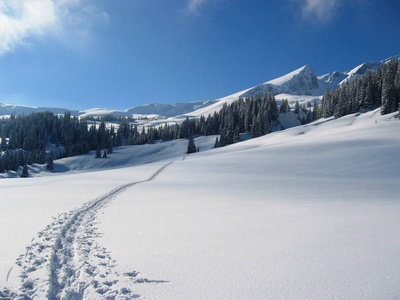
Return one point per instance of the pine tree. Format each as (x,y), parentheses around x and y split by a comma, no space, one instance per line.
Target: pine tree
(284,108)
(387,98)
(110,148)
(296,107)
(2,169)
(216,144)
(50,162)
(105,154)
(98,153)
(25,173)
(222,140)
(3,144)
(191,146)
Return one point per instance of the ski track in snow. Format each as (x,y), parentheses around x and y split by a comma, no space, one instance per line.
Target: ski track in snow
(65,262)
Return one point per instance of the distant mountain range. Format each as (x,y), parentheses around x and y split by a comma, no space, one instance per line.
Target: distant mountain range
(157,109)
(301,84)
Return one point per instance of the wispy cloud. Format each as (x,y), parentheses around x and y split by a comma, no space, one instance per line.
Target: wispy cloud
(195,6)
(23,19)
(320,10)
(20,19)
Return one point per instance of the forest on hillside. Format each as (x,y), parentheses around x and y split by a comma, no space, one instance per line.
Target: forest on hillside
(27,139)
(373,89)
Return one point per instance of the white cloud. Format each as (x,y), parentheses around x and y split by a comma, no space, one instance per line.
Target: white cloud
(193,6)
(321,10)
(23,19)
(20,19)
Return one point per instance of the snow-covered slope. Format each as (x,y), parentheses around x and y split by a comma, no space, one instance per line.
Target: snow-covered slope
(306,213)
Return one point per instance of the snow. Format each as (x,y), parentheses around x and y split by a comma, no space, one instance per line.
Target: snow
(150,110)
(310,212)
(299,80)
(285,78)
(216,106)
(364,67)
(303,99)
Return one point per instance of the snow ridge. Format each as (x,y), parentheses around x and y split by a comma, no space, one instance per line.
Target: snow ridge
(299,82)
(77,265)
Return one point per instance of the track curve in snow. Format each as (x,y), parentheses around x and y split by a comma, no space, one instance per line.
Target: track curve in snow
(65,262)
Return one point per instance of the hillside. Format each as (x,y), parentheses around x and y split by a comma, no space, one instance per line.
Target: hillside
(285,215)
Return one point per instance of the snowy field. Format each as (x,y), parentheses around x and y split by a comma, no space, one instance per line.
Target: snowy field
(311,212)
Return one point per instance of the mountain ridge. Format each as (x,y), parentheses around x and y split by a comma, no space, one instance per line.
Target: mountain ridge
(300,82)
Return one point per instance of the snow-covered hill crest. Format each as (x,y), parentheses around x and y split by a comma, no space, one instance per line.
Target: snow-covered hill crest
(299,82)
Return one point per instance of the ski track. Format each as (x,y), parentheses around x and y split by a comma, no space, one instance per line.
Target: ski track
(65,261)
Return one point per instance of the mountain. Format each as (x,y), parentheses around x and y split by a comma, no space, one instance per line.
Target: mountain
(303,81)
(8,109)
(168,110)
(301,85)
(157,110)
(299,82)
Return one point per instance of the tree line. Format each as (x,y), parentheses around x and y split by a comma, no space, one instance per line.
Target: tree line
(24,138)
(373,89)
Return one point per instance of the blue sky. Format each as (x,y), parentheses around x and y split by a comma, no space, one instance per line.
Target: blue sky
(81,54)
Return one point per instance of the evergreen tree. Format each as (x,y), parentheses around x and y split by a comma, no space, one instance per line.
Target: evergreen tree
(25,172)
(3,145)
(50,162)
(110,148)
(222,140)
(105,154)
(216,144)
(388,101)
(98,153)
(296,107)
(191,146)
(284,108)
(2,169)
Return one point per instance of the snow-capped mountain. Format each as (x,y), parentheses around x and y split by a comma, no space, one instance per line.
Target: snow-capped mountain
(301,85)
(367,66)
(157,109)
(302,81)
